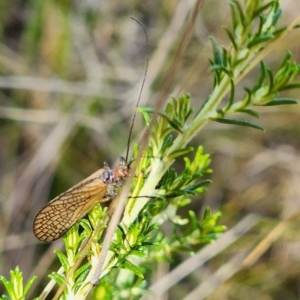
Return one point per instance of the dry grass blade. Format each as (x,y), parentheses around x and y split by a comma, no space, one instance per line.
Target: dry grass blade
(203,256)
(225,272)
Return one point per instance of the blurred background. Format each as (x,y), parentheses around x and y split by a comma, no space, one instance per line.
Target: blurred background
(70,77)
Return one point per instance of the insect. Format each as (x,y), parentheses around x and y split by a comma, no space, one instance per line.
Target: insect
(60,214)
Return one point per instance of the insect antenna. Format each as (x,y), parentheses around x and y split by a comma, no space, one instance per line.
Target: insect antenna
(141,90)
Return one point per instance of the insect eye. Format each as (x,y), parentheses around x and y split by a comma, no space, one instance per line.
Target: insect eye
(107,175)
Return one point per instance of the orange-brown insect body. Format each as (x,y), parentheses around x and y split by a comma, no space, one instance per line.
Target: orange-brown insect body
(60,214)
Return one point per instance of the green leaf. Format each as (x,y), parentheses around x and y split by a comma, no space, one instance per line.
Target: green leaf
(71,237)
(220,228)
(290,87)
(222,69)
(131,267)
(235,17)
(150,228)
(8,286)
(277,16)
(145,111)
(193,221)
(240,122)
(225,57)
(86,229)
(261,24)
(168,141)
(216,51)
(238,12)
(140,253)
(29,284)
(181,201)
(280,30)
(184,109)
(176,125)
(263,72)
(263,8)
(231,37)
(180,152)
(216,76)
(81,270)
(173,122)
(260,39)
(249,96)
(79,285)
(210,238)
(282,101)
(63,259)
(58,278)
(15,287)
(249,112)
(271,80)
(207,213)
(197,185)
(220,112)
(232,92)
(17,282)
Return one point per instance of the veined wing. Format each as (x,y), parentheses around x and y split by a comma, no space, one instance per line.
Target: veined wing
(52,221)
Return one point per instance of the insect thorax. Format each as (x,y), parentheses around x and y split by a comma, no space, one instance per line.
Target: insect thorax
(113,189)
(114,179)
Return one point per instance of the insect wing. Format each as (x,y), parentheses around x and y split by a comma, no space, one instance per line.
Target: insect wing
(52,221)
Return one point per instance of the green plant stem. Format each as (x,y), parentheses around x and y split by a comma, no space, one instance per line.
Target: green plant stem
(159,167)
(208,111)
